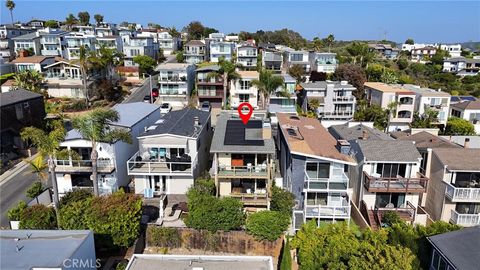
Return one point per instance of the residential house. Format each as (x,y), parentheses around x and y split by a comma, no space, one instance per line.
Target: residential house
(195,52)
(386,51)
(219,49)
(459,99)
(430,99)
(74,41)
(106,30)
(468,110)
(216,36)
(112,174)
(172,152)
(456,250)
(462,66)
(243,159)
(352,131)
(388,178)
(402,100)
(410,47)
(242,90)
(19,109)
(454,189)
(284,99)
(423,53)
(36,23)
(247,55)
(210,88)
(52,41)
(232,38)
(336,99)
(29,42)
(167,42)
(325,62)
(134,46)
(471,141)
(111,42)
(301,58)
(47,249)
(454,50)
(313,166)
(7,46)
(63,79)
(37,63)
(84,29)
(175,83)
(272,60)
(198,262)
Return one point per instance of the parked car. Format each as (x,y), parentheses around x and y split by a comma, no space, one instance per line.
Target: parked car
(147,99)
(165,108)
(155,92)
(206,106)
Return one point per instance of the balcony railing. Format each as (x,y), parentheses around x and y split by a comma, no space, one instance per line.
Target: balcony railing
(336,114)
(172,78)
(210,93)
(406,212)
(251,199)
(335,182)
(326,211)
(396,184)
(175,166)
(344,99)
(172,92)
(50,52)
(462,194)
(103,165)
(466,220)
(259,171)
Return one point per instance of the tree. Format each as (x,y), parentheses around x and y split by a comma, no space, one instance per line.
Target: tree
(459,126)
(317,44)
(329,41)
(372,113)
(360,52)
(174,32)
(267,225)
(267,83)
(313,104)
(374,72)
(195,30)
(228,72)
(145,63)
(282,201)
(105,58)
(98,18)
(38,217)
(286,262)
(70,21)
(10,5)
(409,41)
(83,61)
(51,24)
(316,76)
(34,190)
(297,72)
(74,196)
(402,63)
(30,80)
(48,144)
(426,120)
(14,213)
(84,17)
(354,74)
(180,58)
(38,166)
(161,56)
(439,57)
(95,127)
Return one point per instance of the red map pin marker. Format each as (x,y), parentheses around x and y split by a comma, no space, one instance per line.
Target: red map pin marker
(245,117)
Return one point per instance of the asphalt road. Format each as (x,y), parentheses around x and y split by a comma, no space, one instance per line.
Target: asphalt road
(12,190)
(143,90)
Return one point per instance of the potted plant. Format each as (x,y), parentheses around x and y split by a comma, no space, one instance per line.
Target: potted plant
(15,213)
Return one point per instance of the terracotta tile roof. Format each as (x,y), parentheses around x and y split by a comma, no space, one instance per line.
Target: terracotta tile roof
(308,136)
(127,69)
(31,59)
(10,82)
(382,87)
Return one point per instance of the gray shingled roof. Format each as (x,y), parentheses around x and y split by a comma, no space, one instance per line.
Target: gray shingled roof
(28,36)
(16,96)
(353,133)
(218,145)
(179,123)
(388,151)
(426,140)
(459,159)
(461,247)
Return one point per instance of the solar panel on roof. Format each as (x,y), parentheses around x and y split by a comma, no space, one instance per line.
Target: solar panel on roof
(235,133)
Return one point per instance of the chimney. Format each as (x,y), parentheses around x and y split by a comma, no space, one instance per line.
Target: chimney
(364,135)
(196,121)
(343,146)
(465,144)
(22,53)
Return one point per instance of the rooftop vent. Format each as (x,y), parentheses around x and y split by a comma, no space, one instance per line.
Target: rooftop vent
(291,132)
(152,127)
(343,146)
(160,121)
(294,117)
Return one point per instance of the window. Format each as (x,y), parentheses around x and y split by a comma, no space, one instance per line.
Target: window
(296,57)
(404,114)
(243,97)
(391,170)
(134,52)
(474,117)
(288,103)
(318,170)
(456,113)
(397,200)
(19,111)
(245,85)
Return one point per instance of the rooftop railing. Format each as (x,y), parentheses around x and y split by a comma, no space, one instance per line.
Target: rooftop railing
(398,184)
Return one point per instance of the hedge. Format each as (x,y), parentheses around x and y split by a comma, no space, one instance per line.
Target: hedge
(267,225)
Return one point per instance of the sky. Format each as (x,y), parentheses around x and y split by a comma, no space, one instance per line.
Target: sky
(424,21)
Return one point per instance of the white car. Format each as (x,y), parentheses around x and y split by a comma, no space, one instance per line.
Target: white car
(165,108)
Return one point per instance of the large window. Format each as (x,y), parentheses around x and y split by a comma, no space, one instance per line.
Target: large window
(243,97)
(296,57)
(390,200)
(391,170)
(245,85)
(318,170)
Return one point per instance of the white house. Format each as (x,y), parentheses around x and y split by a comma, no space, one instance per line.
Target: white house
(133,46)
(52,41)
(301,58)
(112,173)
(175,83)
(112,42)
(325,62)
(63,80)
(247,55)
(74,41)
(30,41)
(242,90)
(462,66)
(7,33)
(455,50)
(468,110)
(171,153)
(220,49)
(195,51)
(37,63)
(167,42)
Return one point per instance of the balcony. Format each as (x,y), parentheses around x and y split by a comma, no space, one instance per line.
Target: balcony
(336,115)
(210,93)
(466,220)
(328,211)
(164,166)
(248,172)
(344,99)
(456,194)
(174,78)
(406,212)
(70,166)
(176,92)
(250,199)
(211,81)
(335,182)
(396,184)
(50,52)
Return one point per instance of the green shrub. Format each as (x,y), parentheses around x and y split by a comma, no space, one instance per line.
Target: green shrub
(15,212)
(121,266)
(206,186)
(282,201)
(38,217)
(163,237)
(286,263)
(267,225)
(34,190)
(391,217)
(72,215)
(75,196)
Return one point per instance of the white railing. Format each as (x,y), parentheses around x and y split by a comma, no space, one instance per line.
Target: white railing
(344,98)
(326,211)
(137,166)
(462,194)
(335,182)
(73,165)
(261,170)
(465,219)
(50,52)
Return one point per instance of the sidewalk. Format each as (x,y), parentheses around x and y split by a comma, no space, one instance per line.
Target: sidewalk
(13,171)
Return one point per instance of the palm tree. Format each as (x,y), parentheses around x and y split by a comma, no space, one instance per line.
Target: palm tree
(329,41)
(297,72)
(105,58)
(95,127)
(30,80)
(267,84)
(10,5)
(38,166)
(228,72)
(83,61)
(48,144)
(391,111)
(70,20)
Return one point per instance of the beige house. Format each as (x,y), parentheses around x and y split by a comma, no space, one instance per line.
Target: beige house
(454,189)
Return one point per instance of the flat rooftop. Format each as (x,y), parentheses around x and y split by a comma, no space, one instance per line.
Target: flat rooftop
(387,88)
(424,91)
(307,136)
(201,262)
(39,248)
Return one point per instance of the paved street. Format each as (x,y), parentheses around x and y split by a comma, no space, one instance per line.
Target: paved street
(139,93)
